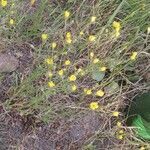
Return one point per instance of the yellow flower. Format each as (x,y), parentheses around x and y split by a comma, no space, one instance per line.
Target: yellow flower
(61,72)
(96,60)
(93,19)
(148,30)
(91,55)
(94,105)
(50,74)
(32,2)
(120,137)
(49,61)
(72,78)
(100,93)
(11,21)
(92,38)
(68,40)
(4,3)
(121,132)
(87,91)
(66,14)
(51,84)
(115,113)
(68,35)
(103,69)
(54,44)
(74,87)
(67,62)
(44,36)
(81,33)
(119,124)
(117,26)
(133,55)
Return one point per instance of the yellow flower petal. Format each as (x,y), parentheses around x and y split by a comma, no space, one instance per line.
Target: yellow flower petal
(133,55)
(94,105)
(44,36)
(72,78)
(54,44)
(67,62)
(11,21)
(73,88)
(115,113)
(3,3)
(100,93)
(66,14)
(103,69)
(61,72)
(92,38)
(96,60)
(51,84)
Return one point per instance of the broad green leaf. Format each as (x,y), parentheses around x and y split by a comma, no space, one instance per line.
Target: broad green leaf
(98,75)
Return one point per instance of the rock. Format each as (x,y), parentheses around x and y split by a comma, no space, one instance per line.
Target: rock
(8,63)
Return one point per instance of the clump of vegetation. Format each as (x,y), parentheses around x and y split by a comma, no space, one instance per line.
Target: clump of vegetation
(88,57)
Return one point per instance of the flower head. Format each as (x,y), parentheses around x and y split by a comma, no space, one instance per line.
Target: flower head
(133,55)
(49,61)
(91,54)
(66,14)
(61,72)
(3,3)
(87,91)
(103,69)
(50,74)
(93,19)
(92,38)
(115,113)
(100,93)
(117,26)
(95,61)
(67,62)
(94,105)
(51,84)
(44,36)
(73,87)
(119,124)
(11,21)
(81,33)
(68,38)
(72,77)
(32,2)
(54,44)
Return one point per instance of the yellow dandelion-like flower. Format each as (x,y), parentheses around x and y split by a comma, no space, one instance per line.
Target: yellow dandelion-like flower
(44,36)
(115,113)
(119,124)
(81,33)
(87,91)
(11,21)
(92,38)
(51,84)
(3,3)
(68,40)
(117,26)
(100,93)
(50,74)
(67,62)
(61,72)
(103,69)
(66,14)
(121,132)
(94,105)
(54,44)
(95,61)
(93,19)
(32,2)
(133,55)
(91,54)
(68,35)
(119,137)
(49,61)
(73,87)
(72,78)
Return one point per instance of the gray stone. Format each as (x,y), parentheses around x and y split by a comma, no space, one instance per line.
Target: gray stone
(8,63)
